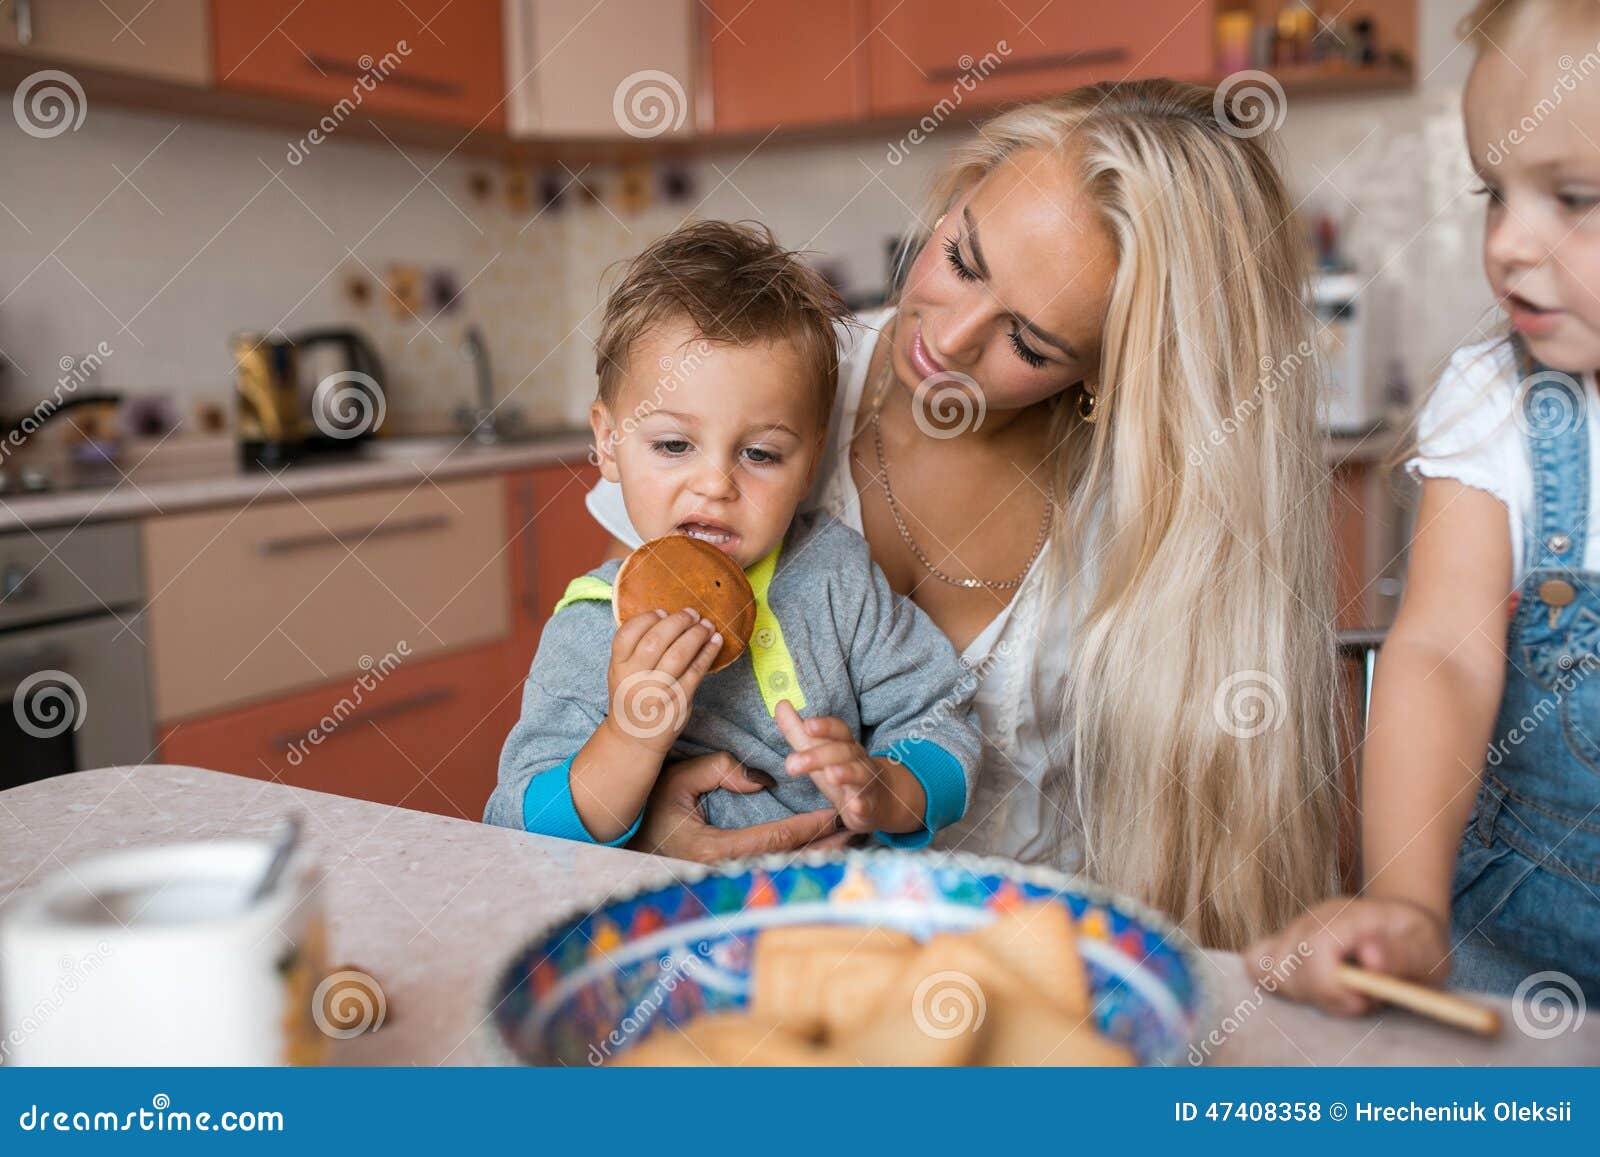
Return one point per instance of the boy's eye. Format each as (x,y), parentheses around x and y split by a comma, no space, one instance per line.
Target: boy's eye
(761,457)
(671,447)
(952,250)
(1031,356)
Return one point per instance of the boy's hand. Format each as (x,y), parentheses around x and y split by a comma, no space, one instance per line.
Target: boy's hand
(1396,937)
(870,795)
(657,662)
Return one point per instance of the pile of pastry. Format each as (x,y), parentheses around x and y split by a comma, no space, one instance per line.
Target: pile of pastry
(1013,992)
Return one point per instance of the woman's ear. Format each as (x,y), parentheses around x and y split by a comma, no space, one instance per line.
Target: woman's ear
(605,444)
(816,457)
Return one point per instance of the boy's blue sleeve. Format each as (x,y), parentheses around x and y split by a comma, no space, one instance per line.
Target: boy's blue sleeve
(916,703)
(563,700)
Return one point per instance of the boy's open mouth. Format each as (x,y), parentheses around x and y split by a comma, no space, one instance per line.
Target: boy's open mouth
(718,534)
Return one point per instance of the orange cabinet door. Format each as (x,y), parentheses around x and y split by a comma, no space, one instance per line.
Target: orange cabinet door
(781,62)
(935,56)
(553,540)
(429,59)
(424,733)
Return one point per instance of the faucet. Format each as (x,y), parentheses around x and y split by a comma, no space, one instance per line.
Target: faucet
(480,422)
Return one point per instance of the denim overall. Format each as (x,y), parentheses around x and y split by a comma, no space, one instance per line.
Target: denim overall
(1526,893)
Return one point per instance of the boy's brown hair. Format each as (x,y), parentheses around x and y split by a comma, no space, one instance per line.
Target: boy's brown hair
(734,284)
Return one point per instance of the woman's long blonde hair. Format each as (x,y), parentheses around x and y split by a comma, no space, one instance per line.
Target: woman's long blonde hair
(1191,570)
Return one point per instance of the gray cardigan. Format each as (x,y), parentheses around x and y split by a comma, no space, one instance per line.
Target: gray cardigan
(861,653)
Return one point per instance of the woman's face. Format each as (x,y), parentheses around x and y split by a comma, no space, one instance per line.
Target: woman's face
(1012,288)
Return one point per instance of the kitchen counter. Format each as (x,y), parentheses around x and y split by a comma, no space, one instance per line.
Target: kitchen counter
(208,475)
(432,906)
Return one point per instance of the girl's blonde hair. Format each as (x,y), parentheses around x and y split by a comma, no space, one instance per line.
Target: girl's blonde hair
(1190,571)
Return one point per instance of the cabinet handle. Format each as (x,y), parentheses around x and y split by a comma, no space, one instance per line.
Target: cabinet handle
(421,699)
(290,543)
(22,14)
(1041,63)
(340,67)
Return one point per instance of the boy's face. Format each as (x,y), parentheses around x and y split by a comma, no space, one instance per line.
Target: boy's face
(717,441)
(1525,119)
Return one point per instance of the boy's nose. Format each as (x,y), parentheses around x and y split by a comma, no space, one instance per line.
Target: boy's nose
(713,482)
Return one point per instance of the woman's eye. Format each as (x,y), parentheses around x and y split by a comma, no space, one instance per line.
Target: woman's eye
(1031,356)
(761,457)
(1487,191)
(952,250)
(671,447)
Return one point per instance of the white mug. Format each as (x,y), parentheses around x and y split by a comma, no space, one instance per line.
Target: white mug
(154,956)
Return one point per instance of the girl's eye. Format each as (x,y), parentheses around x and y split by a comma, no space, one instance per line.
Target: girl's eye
(1032,357)
(761,457)
(670,447)
(952,250)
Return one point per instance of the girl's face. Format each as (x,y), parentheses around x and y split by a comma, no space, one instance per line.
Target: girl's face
(1011,289)
(1526,118)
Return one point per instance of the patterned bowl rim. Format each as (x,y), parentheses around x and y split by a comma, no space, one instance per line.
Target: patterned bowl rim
(687,873)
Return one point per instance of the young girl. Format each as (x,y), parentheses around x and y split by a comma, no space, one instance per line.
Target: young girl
(1481,813)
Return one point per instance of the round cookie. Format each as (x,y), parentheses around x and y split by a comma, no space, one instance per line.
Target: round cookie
(679,571)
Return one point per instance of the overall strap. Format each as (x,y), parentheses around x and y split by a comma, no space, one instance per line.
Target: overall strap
(1554,409)
(582,589)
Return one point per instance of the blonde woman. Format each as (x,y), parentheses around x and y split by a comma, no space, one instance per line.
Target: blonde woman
(1063,442)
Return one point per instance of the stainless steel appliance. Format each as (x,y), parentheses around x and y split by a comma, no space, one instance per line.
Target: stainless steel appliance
(73,670)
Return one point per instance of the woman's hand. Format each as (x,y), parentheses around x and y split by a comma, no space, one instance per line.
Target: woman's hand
(1395,937)
(674,825)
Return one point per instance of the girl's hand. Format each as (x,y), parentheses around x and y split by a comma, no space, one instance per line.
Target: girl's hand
(675,826)
(1396,937)
(867,796)
(657,662)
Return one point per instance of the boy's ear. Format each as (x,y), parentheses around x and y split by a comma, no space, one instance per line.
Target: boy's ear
(605,445)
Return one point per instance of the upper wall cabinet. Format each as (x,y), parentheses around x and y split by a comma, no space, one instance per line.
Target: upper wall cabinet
(619,69)
(436,60)
(165,39)
(984,52)
(776,63)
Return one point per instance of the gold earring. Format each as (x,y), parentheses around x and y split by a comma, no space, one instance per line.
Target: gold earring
(1088,406)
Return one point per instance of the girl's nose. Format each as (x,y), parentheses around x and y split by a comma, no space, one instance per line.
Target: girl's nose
(1512,239)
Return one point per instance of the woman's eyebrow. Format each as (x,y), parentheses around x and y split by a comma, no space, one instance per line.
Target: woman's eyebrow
(982,267)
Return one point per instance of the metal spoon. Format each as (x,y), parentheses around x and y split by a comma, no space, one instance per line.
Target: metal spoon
(285,838)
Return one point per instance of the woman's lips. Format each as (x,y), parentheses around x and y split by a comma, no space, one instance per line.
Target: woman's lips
(1529,319)
(921,360)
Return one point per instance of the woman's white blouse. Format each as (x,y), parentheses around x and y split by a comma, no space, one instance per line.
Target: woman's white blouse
(1009,815)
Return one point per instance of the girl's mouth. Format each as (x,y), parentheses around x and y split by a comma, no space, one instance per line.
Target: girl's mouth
(1530,319)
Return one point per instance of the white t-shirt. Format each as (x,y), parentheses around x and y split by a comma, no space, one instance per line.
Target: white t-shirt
(1009,815)
(1468,431)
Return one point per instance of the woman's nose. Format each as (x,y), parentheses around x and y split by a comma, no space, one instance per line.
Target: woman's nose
(963,327)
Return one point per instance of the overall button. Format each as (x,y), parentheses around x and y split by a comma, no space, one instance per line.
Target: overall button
(1555,594)
(779,681)
(1559,543)
(764,638)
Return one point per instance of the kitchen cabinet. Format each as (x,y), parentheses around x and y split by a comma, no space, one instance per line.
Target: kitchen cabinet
(429,60)
(777,63)
(425,734)
(618,69)
(162,39)
(976,53)
(553,540)
(254,603)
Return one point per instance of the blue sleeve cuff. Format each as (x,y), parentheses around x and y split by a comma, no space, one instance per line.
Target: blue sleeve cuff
(548,810)
(944,785)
